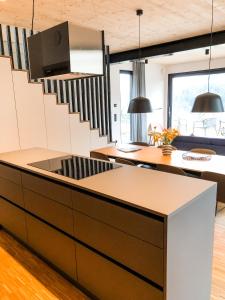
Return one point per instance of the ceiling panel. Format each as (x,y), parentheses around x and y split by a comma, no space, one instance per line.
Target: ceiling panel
(163,20)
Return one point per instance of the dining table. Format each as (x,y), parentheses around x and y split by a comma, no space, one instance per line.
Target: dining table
(152,155)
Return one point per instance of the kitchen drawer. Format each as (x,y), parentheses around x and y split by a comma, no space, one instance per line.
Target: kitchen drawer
(11,191)
(13,219)
(10,173)
(51,211)
(52,245)
(136,254)
(108,281)
(140,226)
(47,189)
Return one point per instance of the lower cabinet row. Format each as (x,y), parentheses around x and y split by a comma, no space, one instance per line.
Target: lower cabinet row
(95,273)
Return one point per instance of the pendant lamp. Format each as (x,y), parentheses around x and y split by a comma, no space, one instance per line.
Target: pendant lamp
(208,102)
(139,104)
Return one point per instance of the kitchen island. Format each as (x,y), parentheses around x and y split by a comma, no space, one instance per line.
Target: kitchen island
(124,233)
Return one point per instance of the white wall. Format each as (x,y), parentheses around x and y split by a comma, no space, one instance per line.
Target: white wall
(9,139)
(28,118)
(155,91)
(195,66)
(30,111)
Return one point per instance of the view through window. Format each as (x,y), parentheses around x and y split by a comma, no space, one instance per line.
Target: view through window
(125,94)
(184,89)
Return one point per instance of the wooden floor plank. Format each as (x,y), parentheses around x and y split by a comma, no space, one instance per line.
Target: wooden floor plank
(23,276)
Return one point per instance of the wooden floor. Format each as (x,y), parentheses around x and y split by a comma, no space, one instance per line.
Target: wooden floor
(23,276)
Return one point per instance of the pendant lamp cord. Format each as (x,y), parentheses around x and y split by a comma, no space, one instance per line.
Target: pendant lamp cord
(139,55)
(139,13)
(210,48)
(32,21)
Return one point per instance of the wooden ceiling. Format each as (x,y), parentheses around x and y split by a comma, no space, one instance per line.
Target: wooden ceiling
(163,20)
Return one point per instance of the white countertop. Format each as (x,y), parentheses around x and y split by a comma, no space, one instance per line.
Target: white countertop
(153,191)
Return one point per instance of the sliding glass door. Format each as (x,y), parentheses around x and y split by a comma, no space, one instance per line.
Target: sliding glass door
(183,88)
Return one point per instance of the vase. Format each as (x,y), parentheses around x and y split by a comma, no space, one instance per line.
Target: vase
(167,150)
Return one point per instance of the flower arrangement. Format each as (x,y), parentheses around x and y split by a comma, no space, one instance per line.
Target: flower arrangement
(165,137)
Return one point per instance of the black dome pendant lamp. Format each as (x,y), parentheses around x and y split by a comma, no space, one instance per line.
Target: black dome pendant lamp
(139,104)
(208,102)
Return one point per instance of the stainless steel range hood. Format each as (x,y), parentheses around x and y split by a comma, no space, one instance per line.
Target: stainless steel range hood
(65,52)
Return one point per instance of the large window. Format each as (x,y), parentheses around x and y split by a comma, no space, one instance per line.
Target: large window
(125,94)
(183,88)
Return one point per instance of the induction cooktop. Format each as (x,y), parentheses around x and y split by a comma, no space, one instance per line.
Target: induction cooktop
(76,167)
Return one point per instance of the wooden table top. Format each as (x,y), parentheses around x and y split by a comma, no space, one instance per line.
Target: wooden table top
(153,155)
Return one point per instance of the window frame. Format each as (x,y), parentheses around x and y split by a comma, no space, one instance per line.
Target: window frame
(171,76)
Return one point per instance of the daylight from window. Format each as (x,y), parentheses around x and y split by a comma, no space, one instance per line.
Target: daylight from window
(125,94)
(184,90)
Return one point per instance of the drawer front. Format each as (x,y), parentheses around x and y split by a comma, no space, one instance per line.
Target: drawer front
(142,227)
(11,191)
(138,255)
(10,173)
(13,219)
(51,211)
(52,245)
(110,282)
(47,189)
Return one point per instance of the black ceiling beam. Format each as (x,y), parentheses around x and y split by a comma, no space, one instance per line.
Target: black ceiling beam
(195,42)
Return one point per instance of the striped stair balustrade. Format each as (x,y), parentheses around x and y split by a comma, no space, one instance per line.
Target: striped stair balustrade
(30,118)
(90,97)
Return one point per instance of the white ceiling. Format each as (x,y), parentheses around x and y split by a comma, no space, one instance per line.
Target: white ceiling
(163,20)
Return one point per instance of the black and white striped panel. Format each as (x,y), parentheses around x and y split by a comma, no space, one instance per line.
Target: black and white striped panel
(13,42)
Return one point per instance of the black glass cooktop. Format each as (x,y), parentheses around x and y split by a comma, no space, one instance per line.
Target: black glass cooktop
(76,167)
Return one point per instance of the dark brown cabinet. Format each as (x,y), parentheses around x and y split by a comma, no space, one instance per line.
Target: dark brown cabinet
(52,245)
(108,281)
(10,184)
(112,251)
(49,210)
(10,174)
(47,189)
(13,219)
(135,254)
(143,227)
(11,191)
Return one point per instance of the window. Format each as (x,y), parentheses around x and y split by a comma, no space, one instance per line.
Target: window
(125,94)
(183,88)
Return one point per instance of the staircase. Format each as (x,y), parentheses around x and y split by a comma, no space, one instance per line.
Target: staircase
(31,118)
